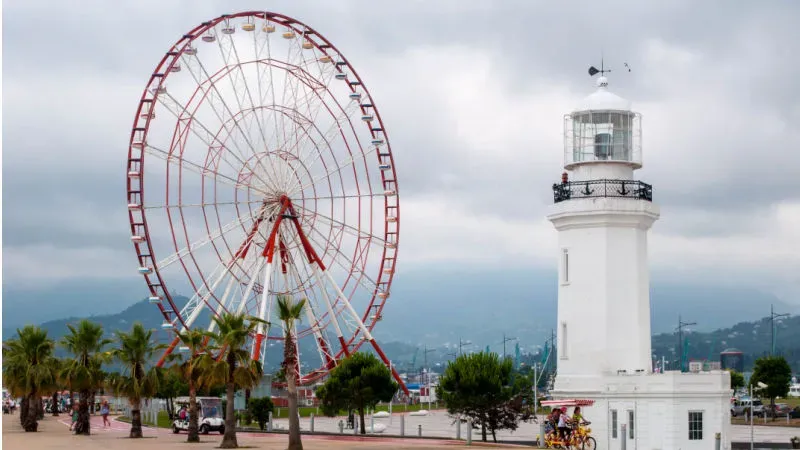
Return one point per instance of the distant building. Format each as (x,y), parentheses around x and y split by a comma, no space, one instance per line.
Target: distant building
(732,359)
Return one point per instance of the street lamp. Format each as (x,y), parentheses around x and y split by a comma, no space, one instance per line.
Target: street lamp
(506,339)
(761,386)
(462,344)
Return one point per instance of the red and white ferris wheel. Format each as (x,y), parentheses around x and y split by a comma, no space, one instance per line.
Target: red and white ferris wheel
(259,166)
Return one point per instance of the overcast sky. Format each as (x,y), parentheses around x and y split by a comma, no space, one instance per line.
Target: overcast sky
(472,94)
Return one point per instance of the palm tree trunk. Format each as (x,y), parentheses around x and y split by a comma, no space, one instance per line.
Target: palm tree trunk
(193,434)
(294,420)
(55,404)
(31,423)
(23,411)
(83,424)
(136,419)
(361,423)
(229,438)
(290,370)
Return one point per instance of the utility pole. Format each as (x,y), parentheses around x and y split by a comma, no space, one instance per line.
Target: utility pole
(506,339)
(681,325)
(772,317)
(427,374)
(462,344)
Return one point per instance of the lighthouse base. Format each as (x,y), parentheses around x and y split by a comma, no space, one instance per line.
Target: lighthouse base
(670,410)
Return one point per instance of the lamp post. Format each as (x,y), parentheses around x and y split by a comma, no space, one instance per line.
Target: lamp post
(681,325)
(462,344)
(760,386)
(772,317)
(506,339)
(427,374)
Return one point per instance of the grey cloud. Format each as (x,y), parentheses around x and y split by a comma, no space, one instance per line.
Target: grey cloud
(745,58)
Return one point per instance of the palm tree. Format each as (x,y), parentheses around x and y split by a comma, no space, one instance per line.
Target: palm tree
(289,313)
(135,382)
(234,367)
(192,370)
(28,369)
(84,372)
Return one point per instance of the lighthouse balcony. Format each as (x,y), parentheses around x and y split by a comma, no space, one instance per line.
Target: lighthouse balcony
(602,188)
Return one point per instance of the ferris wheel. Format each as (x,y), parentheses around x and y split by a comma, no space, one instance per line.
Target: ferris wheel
(259,166)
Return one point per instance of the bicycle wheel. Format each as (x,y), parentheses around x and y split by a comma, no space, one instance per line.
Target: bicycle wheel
(589,444)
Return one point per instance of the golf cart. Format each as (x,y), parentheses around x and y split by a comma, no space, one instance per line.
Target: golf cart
(209,412)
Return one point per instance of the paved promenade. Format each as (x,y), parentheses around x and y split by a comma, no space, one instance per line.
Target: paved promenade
(54,434)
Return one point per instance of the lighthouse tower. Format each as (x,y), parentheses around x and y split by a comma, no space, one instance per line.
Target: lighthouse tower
(603,213)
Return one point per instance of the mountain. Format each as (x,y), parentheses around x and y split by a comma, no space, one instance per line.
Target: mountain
(436,308)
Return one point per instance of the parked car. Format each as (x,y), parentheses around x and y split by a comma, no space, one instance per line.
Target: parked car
(740,406)
(779,410)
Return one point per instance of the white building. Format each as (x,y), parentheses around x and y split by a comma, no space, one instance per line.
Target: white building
(603,215)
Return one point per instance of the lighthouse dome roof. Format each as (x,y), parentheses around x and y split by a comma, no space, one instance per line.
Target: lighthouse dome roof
(602,99)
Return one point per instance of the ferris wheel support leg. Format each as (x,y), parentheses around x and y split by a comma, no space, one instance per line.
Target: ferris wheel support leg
(367,335)
(329,305)
(168,351)
(262,312)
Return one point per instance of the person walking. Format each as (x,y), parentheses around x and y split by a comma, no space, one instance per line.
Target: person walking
(104,410)
(74,417)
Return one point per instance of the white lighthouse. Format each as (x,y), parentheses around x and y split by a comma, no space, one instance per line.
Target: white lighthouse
(603,214)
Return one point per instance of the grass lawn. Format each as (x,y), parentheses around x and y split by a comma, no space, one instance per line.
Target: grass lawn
(306,411)
(162,420)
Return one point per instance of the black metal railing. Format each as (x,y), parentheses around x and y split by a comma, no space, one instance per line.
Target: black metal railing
(602,188)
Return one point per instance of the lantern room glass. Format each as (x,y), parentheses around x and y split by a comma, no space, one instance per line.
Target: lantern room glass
(595,136)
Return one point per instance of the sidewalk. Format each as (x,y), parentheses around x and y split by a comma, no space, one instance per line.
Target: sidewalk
(54,434)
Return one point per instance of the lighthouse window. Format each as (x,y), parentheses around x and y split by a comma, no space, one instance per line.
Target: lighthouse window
(695,425)
(562,350)
(630,424)
(564,266)
(613,424)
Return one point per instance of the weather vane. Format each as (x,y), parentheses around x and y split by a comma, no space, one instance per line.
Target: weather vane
(594,70)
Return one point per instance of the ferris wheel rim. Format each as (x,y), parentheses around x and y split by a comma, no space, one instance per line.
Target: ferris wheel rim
(139,226)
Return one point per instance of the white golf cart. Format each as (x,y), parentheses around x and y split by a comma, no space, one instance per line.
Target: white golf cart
(209,410)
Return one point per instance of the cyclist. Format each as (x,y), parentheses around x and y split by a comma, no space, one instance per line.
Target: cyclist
(577,417)
(563,425)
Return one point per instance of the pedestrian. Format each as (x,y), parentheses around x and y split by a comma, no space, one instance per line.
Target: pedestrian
(74,418)
(104,410)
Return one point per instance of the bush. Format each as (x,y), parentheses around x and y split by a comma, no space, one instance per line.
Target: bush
(259,409)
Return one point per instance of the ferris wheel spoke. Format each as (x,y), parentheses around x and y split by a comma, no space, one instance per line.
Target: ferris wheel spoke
(198,70)
(340,121)
(337,169)
(348,228)
(205,135)
(191,166)
(202,205)
(361,278)
(239,98)
(214,235)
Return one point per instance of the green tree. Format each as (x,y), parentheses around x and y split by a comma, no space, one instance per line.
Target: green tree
(480,386)
(29,369)
(259,409)
(775,372)
(192,370)
(171,385)
(289,312)
(737,380)
(358,382)
(136,382)
(233,366)
(84,371)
